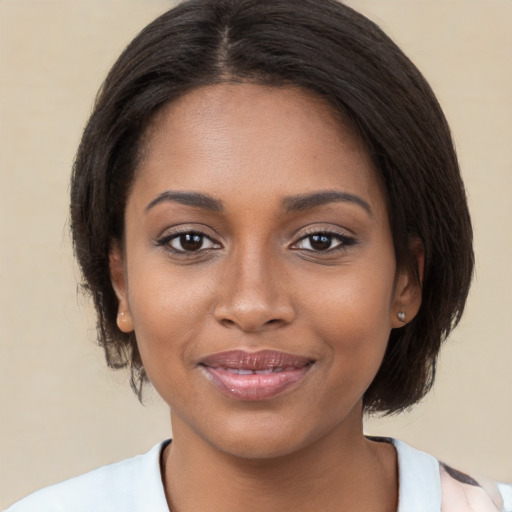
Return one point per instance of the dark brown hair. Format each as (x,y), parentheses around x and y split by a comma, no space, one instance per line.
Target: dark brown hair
(325,47)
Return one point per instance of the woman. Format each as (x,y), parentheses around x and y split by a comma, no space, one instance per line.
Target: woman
(268,212)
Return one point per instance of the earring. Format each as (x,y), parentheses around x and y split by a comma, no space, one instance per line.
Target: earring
(124,321)
(401,316)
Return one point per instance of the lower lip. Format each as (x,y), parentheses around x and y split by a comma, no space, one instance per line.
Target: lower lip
(254,387)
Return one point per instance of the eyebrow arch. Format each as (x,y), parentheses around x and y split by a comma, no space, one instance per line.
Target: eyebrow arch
(187,198)
(307,201)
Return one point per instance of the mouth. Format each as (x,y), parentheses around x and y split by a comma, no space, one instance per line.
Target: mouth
(254,376)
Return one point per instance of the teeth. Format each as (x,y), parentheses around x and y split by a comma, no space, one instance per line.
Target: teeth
(239,371)
(243,371)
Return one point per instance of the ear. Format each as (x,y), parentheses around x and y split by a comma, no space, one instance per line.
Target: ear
(118,279)
(407,298)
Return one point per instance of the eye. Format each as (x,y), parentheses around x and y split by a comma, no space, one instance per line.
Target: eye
(190,241)
(323,242)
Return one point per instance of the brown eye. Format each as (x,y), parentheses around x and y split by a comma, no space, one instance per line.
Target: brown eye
(320,242)
(323,242)
(190,242)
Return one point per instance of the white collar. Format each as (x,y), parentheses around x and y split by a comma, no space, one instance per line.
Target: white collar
(419,480)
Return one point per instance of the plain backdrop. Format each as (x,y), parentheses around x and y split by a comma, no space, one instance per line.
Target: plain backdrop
(62,411)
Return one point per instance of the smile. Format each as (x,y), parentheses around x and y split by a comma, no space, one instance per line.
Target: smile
(243,371)
(254,376)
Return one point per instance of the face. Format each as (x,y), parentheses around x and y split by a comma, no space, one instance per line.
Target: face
(258,269)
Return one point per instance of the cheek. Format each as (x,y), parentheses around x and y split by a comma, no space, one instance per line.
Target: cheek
(353,317)
(169,309)
(351,300)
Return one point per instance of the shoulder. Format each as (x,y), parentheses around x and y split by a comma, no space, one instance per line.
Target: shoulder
(427,484)
(130,485)
(475,495)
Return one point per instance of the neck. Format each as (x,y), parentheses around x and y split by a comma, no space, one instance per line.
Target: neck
(341,471)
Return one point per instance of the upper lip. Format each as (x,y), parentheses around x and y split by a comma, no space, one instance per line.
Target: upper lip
(261,360)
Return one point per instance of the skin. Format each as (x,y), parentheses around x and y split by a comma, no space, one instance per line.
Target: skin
(258,282)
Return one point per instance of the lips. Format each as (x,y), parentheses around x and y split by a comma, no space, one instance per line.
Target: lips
(254,376)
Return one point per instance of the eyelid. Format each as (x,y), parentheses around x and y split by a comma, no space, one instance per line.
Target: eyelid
(347,240)
(184,228)
(177,231)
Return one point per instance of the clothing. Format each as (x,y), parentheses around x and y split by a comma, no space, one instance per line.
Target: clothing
(135,485)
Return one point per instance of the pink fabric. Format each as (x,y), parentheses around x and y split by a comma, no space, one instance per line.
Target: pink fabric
(460,496)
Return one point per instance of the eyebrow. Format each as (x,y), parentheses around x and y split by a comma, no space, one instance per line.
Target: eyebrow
(299,202)
(307,201)
(189,199)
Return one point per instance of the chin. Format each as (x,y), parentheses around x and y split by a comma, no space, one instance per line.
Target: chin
(258,447)
(265,436)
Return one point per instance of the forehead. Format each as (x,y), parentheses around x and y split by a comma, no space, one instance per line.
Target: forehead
(243,136)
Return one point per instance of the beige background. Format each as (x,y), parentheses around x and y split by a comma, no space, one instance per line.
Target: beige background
(63,412)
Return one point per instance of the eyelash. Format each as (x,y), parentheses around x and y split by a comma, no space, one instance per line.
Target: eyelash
(166,241)
(344,242)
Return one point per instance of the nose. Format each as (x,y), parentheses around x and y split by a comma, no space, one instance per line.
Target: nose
(254,294)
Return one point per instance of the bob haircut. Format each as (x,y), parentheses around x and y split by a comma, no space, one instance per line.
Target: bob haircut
(327,48)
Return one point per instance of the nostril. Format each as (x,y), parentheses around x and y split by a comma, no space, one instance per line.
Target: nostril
(251,326)
(254,315)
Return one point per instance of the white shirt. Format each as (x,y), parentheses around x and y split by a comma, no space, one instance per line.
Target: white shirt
(135,485)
